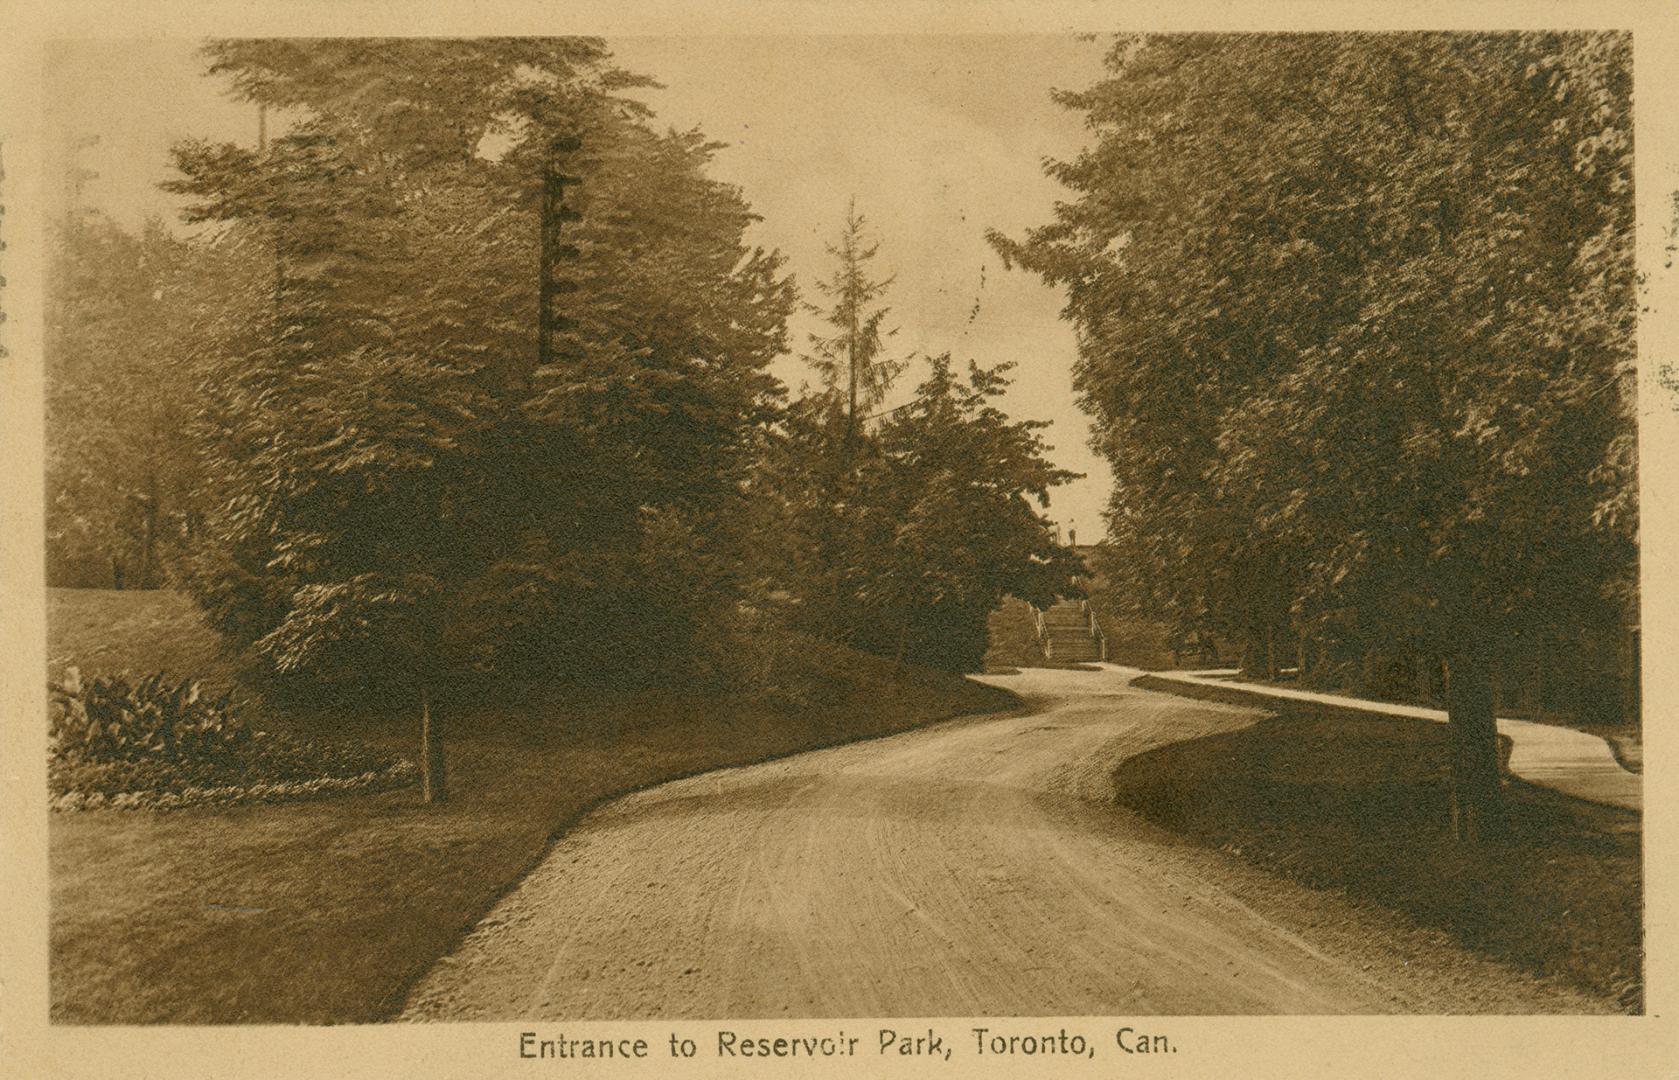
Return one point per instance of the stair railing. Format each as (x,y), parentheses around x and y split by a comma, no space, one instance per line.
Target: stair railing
(1096,634)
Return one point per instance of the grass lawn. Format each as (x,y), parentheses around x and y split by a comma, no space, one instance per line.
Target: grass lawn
(324,912)
(1360,804)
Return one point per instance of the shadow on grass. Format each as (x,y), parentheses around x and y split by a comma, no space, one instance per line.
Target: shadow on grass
(327,911)
(1362,804)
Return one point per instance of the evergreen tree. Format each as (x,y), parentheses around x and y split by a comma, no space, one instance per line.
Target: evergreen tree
(906,547)
(851,362)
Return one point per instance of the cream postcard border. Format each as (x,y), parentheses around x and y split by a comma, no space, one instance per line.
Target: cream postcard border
(1623,1048)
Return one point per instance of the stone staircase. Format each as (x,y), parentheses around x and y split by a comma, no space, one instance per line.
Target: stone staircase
(1068,633)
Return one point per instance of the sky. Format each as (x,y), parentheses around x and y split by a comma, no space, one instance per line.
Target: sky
(939,138)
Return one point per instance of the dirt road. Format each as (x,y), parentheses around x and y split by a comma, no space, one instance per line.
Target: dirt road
(978,867)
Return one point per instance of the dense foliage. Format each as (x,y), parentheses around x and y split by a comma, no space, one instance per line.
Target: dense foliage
(119,464)
(956,480)
(464,377)
(1356,318)
(110,719)
(905,529)
(161,744)
(412,481)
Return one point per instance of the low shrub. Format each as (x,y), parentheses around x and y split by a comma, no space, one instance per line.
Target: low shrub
(108,719)
(158,744)
(752,656)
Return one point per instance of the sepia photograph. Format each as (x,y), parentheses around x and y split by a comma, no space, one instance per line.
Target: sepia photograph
(772,531)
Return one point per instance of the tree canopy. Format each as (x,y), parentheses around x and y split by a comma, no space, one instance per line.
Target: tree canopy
(120,468)
(404,481)
(468,373)
(1355,293)
(1356,326)
(902,530)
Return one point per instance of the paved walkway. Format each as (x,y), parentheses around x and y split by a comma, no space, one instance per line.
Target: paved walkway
(1562,759)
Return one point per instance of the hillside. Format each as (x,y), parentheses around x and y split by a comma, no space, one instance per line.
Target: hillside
(323,912)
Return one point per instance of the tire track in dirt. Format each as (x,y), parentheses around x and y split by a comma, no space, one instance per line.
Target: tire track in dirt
(976,867)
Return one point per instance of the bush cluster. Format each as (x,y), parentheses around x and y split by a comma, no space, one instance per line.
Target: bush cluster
(748,652)
(158,744)
(109,719)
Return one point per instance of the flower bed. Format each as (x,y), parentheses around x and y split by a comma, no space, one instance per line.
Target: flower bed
(157,745)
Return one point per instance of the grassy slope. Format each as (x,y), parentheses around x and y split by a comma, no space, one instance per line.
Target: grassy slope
(324,912)
(1137,642)
(1013,639)
(106,630)
(1359,804)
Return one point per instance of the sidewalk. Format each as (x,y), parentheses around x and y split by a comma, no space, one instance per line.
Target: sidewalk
(1571,762)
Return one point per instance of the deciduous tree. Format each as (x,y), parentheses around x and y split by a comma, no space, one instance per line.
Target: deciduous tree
(414,480)
(122,314)
(1356,327)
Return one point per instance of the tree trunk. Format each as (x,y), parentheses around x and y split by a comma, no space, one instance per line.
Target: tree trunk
(1270,652)
(550,250)
(1477,793)
(148,543)
(1631,679)
(1541,675)
(851,364)
(433,784)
